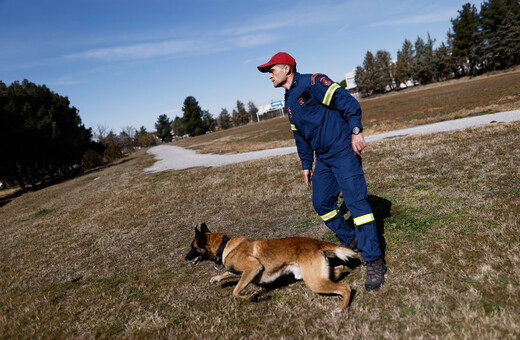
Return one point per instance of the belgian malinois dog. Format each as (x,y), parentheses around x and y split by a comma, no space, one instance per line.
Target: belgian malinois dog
(264,261)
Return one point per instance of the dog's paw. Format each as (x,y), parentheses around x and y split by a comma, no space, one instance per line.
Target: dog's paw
(214,280)
(260,297)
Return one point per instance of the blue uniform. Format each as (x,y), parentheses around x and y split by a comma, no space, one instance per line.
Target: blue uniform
(322,116)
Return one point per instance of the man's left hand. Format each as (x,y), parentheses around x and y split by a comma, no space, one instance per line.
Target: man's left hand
(358,143)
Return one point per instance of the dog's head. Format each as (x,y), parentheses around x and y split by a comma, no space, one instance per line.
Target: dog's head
(199,251)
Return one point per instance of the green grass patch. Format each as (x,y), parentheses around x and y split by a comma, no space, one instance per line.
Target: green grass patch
(43,212)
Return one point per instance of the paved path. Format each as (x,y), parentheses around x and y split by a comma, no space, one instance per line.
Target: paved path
(170,157)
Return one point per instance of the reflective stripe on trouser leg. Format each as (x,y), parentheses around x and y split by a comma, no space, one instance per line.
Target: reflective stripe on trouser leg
(325,191)
(364,219)
(354,194)
(339,226)
(366,230)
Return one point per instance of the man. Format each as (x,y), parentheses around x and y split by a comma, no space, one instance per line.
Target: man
(326,122)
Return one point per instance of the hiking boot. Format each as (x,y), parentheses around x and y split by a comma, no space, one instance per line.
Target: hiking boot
(353,245)
(375,274)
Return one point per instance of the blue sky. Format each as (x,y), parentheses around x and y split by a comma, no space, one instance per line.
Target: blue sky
(123,63)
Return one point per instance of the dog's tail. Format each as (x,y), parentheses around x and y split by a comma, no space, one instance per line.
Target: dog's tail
(341,252)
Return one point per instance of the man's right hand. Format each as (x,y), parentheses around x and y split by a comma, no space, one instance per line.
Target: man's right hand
(307,177)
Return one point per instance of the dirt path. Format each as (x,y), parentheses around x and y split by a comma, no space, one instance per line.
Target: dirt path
(170,157)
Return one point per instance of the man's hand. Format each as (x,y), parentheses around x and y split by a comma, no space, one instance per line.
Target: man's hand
(307,177)
(358,143)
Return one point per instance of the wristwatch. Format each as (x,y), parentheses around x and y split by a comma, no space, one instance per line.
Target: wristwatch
(356,130)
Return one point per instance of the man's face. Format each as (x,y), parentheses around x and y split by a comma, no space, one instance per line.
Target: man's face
(278,75)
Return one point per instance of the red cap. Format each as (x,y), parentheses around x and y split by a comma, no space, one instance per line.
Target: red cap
(279,58)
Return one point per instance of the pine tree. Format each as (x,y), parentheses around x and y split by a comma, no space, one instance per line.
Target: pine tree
(444,66)
(507,41)
(403,66)
(178,127)
(192,118)
(252,111)
(224,119)
(466,39)
(424,64)
(493,14)
(163,128)
(240,116)
(383,74)
(359,79)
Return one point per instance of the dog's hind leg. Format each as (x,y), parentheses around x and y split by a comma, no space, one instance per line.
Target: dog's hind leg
(337,271)
(252,267)
(318,280)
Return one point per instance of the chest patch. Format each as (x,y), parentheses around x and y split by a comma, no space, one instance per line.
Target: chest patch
(304,98)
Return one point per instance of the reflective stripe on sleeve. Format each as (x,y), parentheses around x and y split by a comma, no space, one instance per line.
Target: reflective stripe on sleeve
(330,92)
(293,127)
(364,219)
(329,215)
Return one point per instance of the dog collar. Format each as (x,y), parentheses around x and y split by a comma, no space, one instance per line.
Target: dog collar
(218,257)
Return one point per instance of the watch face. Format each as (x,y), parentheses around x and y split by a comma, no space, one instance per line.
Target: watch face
(356,130)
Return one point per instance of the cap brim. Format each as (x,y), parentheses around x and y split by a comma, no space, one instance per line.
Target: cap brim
(265,67)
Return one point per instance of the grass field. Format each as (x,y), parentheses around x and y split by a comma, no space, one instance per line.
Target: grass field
(102,255)
(432,103)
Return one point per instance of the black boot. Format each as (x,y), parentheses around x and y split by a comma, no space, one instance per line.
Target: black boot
(375,274)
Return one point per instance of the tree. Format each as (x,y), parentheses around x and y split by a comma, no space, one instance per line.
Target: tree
(192,118)
(506,44)
(366,79)
(382,71)
(359,79)
(178,127)
(403,66)
(444,66)
(49,137)
(145,139)
(224,119)
(424,63)
(163,128)
(493,15)
(252,111)
(240,115)
(127,139)
(209,121)
(465,39)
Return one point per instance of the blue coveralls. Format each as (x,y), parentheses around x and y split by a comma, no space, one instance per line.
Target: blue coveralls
(322,115)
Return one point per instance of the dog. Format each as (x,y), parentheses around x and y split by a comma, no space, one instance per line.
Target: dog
(264,261)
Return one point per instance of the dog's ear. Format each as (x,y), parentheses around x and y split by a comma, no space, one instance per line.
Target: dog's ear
(197,232)
(204,228)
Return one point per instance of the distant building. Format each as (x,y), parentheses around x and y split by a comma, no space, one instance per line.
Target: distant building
(275,108)
(351,87)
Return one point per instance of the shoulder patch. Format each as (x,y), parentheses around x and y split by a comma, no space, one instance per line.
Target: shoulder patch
(313,78)
(325,81)
(290,112)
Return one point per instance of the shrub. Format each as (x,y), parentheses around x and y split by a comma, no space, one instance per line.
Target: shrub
(91,159)
(113,153)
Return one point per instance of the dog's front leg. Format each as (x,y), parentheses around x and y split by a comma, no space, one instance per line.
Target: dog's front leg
(254,267)
(226,275)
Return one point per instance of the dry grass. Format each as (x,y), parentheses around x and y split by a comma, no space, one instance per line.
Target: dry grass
(102,256)
(414,106)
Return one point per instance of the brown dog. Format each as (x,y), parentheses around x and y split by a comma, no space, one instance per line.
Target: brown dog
(264,261)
